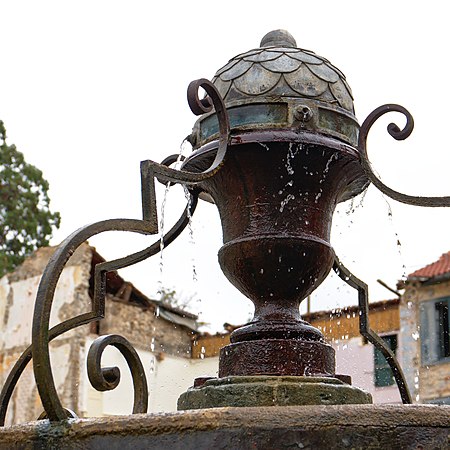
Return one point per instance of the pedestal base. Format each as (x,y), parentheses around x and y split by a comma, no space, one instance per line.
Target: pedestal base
(271,391)
(280,357)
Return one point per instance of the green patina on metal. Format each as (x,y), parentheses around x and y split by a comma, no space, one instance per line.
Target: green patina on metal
(241,391)
(274,114)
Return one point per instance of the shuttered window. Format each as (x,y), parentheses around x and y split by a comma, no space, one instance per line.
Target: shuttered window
(435,331)
(383,373)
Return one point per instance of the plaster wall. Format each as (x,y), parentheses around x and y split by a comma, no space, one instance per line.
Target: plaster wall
(356,359)
(168,377)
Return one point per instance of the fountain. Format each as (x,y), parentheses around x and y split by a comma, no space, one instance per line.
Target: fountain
(276,148)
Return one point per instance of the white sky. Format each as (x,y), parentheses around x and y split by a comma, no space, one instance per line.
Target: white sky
(88,89)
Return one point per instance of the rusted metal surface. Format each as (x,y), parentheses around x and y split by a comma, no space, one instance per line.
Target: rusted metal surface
(277,357)
(276,219)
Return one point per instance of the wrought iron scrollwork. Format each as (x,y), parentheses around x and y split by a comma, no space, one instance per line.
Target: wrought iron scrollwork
(398,134)
(42,334)
(368,333)
(106,379)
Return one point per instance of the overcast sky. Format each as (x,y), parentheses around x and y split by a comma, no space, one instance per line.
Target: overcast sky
(88,89)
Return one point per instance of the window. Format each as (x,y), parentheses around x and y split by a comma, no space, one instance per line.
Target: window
(383,373)
(434,330)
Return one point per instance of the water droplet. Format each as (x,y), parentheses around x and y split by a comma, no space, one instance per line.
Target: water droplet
(286,201)
(265,146)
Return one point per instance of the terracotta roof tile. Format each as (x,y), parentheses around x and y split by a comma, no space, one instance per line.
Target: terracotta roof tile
(438,268)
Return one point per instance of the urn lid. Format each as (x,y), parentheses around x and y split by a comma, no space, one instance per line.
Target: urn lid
(279,85)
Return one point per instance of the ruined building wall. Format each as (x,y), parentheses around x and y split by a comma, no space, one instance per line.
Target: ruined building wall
(17,297)
(159,341)
(146,329)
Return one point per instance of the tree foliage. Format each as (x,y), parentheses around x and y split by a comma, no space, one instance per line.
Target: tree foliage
(26,222)
(170,297)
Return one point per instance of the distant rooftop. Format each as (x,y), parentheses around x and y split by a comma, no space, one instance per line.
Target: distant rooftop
(437,269)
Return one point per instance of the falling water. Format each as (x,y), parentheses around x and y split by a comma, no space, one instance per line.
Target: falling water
(191,230)
(162,214)
(161,238)
(397,238)
(356,203)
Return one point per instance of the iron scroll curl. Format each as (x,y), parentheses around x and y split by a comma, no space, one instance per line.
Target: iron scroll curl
(108,378)
(398,134)
(42,334)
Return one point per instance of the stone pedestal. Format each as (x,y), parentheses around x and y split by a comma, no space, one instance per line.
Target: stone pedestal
(388,427)
(241,391)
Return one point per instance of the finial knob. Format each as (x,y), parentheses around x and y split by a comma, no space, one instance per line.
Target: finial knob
(278,38)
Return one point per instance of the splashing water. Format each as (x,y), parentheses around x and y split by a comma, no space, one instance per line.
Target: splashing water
(417,385)
(291,153)
(152,345)
(290,156)
(288,198)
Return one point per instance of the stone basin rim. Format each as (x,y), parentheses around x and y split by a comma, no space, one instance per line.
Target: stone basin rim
(437,416)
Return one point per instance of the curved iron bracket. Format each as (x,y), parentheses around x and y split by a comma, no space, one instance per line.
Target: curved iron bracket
(368,333)
(42,335)
(399,135)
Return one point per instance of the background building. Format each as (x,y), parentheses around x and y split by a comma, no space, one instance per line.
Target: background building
(425,323)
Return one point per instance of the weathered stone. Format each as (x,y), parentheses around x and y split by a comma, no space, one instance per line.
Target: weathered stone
(387,427)
(241,391)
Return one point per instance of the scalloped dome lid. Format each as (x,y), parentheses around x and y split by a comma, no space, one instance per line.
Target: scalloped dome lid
(280,86)
(279,68)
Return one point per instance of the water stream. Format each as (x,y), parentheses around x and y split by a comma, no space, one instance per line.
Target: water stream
(177,165)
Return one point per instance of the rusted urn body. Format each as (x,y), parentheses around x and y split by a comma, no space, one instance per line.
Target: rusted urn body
(290,160)
(276,200)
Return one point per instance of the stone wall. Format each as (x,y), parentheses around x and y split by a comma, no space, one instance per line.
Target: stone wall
(145,329)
